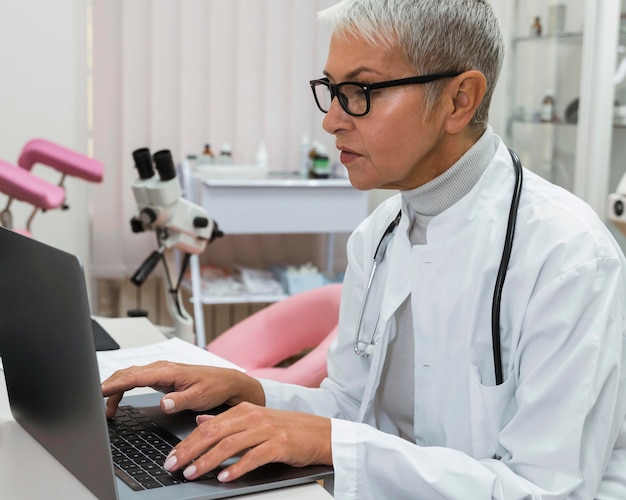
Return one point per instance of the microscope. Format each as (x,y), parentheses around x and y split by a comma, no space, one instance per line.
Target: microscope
(178,224)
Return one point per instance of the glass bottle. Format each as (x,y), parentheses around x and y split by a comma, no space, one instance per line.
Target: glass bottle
(207,157)
(548,108)
(535,27)
(226,155)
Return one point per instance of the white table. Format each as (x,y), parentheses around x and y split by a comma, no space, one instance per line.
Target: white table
(28,471)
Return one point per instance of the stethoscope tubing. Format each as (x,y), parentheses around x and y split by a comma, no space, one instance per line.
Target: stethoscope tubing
(504,264)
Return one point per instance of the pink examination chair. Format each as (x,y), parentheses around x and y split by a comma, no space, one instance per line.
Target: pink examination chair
(19,183)
(307,320)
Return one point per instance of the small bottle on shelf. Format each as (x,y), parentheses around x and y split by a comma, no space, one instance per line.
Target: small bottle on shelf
(305,148)
(207,157)
(226,155)
(535,27)
(320,163)
(548,112)
(261,155)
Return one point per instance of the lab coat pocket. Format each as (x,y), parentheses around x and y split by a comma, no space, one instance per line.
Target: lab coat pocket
(491,407)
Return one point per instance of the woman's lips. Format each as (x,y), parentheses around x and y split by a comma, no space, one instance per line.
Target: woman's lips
(348,156)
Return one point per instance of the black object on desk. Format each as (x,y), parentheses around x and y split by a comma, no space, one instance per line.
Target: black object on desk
(102,340)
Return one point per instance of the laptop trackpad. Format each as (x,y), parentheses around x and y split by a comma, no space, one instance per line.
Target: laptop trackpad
(180,424)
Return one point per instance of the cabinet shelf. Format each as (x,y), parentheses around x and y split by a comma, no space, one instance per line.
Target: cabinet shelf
(562,123)
(616,124)
(567,36)
(243,298)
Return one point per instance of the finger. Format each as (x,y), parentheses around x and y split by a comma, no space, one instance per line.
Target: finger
(174,402)
(194,397)
(251,460)
(200,419)
(111,404)
(155,374)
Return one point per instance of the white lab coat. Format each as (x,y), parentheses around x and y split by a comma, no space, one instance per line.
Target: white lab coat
(557,421)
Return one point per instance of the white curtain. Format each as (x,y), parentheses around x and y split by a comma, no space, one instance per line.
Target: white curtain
(178,74)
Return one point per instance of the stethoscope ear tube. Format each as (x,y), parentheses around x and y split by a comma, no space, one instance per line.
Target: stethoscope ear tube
(504,263)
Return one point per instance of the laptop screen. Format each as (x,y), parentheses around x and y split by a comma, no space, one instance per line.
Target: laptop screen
(49,358)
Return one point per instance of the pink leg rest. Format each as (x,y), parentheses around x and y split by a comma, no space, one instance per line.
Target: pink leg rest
(22,185)
(62,159)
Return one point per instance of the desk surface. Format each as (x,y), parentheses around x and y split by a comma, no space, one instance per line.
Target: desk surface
(27,471)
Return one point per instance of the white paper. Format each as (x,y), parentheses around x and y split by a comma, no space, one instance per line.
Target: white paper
(175,350)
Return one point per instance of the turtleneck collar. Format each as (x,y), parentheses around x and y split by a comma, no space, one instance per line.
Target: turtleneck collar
(445,190)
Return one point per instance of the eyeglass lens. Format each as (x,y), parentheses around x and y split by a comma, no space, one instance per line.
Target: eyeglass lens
(351,97)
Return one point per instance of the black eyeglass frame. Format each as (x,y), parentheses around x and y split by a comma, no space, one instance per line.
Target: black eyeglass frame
(335,88)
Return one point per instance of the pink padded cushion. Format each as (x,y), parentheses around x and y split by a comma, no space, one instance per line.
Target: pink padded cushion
(307,320)
(22,185)
(308,371)
(62,159)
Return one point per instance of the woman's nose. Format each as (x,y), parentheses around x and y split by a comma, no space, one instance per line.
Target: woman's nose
(336,118)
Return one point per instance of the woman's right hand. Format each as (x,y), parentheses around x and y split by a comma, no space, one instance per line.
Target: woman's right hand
(186,387)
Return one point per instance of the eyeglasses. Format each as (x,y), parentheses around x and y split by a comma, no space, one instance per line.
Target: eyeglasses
(355,97)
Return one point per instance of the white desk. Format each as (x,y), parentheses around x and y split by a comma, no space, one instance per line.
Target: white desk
(28,472)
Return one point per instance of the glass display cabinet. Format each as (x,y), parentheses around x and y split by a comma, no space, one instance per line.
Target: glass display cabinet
(562,102)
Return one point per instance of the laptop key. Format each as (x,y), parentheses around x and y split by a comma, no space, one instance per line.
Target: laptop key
(150,484)
(128,480)
(168,480)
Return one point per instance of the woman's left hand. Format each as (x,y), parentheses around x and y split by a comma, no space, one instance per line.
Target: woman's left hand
(261,434)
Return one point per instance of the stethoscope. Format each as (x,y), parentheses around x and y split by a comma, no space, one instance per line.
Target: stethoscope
(366,348)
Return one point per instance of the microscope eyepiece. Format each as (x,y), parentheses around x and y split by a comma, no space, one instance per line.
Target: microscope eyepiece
(143,163)
(164,164)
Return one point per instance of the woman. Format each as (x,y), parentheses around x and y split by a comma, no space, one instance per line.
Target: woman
(431,405)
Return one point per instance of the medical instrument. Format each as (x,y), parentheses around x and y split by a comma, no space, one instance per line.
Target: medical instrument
(366,348)
(617,206)
(177,222)
(18,182)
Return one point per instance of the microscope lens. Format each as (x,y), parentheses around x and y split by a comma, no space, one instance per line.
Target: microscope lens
(143,163)
(164,164)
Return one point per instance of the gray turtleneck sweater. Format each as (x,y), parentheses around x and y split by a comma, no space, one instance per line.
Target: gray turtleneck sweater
(396,391)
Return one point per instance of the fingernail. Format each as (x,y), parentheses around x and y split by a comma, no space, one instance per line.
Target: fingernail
(203,418)
(223,476)
(168,404)
(170,463)
(190,471)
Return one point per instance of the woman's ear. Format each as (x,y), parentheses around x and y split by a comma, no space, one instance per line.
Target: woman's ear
(465,94)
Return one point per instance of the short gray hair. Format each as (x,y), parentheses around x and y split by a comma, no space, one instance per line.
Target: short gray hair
(435,35)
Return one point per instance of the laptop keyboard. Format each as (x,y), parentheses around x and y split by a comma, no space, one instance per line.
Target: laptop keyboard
(139,447)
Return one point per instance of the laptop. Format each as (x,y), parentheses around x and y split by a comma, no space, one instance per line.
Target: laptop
(53,384)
